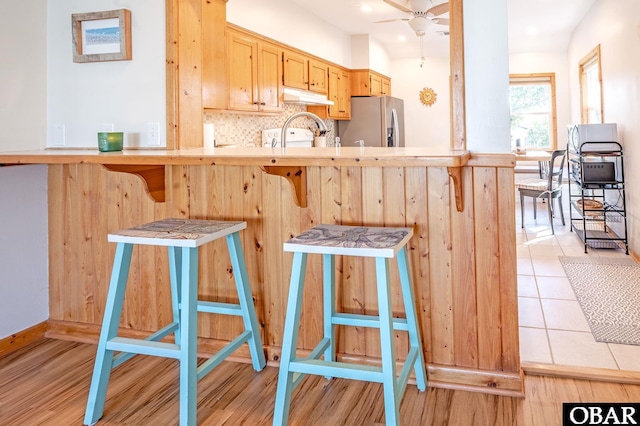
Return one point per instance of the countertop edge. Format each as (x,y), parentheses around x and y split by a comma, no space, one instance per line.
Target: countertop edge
(346,156)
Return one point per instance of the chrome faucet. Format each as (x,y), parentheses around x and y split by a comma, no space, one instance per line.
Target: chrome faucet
(283,136)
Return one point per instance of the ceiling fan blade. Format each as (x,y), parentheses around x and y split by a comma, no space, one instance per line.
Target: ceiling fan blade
(440,21)
(391,20)
(438,9)
(401,5)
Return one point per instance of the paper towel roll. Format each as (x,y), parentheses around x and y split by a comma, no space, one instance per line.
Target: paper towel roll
(209,135)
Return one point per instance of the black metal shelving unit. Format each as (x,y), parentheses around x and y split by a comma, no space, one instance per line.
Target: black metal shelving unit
(597,210)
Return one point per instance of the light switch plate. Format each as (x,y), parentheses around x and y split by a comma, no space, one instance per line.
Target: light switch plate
(58,135)
(153,134)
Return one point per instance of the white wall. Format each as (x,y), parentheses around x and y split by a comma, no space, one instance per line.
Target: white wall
(23,189)
(552,62)
(426,126)
(24,290)
(615,25)
(486,66)
(129,94)
(23,75)
(286,22)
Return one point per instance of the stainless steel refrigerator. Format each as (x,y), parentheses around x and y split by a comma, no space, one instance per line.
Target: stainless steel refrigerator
(378,121)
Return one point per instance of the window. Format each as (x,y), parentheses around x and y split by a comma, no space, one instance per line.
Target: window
(591,88)
(532,98)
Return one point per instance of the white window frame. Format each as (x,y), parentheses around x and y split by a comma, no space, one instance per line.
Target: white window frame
(537,78)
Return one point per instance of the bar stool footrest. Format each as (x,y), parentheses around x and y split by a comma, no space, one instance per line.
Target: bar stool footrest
(219,308)
(338,369)
(144,347)
(223,353)
(370,321)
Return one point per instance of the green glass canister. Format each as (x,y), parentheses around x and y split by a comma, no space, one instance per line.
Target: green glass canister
(110,141)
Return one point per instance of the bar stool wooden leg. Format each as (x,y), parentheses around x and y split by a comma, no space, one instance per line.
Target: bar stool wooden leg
(412,319)
(246,301)
(188,336)
(110,324)
(286,382)
(387,343)
(329,296)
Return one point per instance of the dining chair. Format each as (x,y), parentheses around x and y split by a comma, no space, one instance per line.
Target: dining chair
(548,188)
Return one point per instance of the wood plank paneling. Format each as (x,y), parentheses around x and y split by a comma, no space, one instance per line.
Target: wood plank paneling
(416,199)
(508,274)
(440,274)
(350,293)
(372,213)
(311,323)
(462,263)
(487,262)
(394,207)
(463,267)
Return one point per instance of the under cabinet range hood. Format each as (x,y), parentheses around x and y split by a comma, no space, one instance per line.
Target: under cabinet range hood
(304,97)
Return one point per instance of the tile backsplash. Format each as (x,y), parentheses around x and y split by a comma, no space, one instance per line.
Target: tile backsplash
(245,130)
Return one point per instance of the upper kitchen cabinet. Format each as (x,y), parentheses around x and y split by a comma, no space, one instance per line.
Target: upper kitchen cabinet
(339,93)
(369,83)
(302,72)
(254,74)
(318,76)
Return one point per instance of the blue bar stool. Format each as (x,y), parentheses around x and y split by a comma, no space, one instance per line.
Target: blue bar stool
(182,238)
(330,240)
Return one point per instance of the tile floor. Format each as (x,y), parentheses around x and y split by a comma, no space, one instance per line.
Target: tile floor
(553,329)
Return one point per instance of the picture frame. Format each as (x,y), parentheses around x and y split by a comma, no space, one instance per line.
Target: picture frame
(101,36)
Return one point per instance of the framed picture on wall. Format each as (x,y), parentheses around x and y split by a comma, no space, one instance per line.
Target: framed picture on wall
(101,36)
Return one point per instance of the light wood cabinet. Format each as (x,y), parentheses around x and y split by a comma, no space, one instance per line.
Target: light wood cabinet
(270,77)
(369,83)
(339,89)
(386,87)
(318,76)
(302,72)
(254,74)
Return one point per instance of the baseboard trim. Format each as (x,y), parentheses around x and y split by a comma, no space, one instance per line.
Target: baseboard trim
(582,373)
(22,338)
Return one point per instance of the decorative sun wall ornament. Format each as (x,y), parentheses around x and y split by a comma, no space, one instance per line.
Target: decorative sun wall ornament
(428,96)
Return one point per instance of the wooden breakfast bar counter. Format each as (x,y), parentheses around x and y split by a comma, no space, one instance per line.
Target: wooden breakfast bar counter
(462,254)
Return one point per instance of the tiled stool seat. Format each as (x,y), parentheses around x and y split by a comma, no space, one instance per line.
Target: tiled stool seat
(183,237)
(382,243)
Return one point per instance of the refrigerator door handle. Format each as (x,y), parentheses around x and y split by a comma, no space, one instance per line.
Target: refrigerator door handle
(395,126)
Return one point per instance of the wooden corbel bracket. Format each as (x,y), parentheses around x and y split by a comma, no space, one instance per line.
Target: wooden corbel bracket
(153,176)
(455,173)
(297,177)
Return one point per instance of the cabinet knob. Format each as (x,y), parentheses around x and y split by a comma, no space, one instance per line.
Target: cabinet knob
(255,103)
(263,103)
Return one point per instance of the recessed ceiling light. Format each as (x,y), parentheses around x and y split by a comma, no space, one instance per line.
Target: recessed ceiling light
(532,30)
(402,39)
(365,8)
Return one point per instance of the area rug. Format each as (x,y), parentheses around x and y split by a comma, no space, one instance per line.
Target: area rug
(608,291)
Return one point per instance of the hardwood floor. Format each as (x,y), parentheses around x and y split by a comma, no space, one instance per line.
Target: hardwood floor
(46,383)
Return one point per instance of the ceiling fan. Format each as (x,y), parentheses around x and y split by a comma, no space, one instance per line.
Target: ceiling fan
(421,14)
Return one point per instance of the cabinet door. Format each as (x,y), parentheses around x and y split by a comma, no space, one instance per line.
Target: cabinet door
(318,76)
(386,87)
(296,70)
(344,97)
(270,77)
(334,92)
(375,85)
(242,73)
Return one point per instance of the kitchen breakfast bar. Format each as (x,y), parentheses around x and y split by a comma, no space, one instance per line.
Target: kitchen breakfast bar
(462,254)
